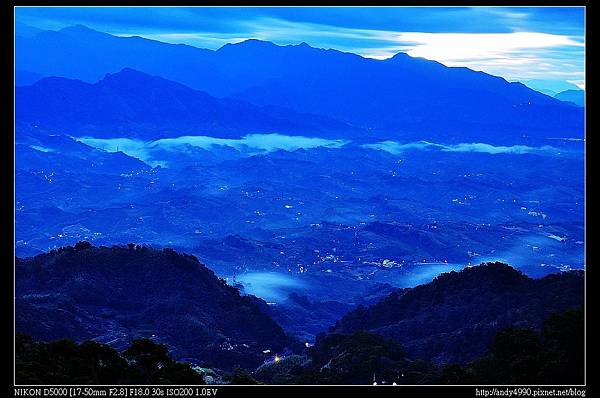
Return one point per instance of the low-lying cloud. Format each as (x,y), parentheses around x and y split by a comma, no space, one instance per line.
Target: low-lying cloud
(256,142)
(158,152)
(251,144)
(396,148)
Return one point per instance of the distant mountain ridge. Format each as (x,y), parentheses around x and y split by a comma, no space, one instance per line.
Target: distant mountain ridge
(398,96)
(116,294)
(26,78)
(454,317)
(576,97)
(133,104)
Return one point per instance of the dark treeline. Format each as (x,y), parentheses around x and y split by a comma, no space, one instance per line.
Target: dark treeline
(554,355)
(66,362)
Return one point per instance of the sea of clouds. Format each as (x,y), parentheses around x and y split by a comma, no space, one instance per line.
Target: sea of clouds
(252,144)
(396,148)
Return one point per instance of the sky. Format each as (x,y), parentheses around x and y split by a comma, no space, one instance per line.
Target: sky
(543,46)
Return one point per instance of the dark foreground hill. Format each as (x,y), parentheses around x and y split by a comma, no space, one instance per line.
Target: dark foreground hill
(485,324)
(114,295)
(454,318)
(553,355)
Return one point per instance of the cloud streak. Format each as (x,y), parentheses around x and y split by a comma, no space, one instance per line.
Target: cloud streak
(260,142)
(150,151)
(158,152)
(456,47)
(397,148)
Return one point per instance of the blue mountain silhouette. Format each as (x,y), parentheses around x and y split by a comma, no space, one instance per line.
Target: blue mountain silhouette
(150,107)
(400,96)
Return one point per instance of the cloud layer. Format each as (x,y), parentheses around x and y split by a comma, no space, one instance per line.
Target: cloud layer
(150,152)
(161,152)
(396,148)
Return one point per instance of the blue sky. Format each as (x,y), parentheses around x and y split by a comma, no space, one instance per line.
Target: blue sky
(544,44)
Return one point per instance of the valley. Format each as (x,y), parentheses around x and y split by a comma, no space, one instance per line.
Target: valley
(289,213)
(381,220)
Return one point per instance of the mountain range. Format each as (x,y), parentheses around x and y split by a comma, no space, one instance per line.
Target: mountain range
(332,186)
(136,105)
(576,97)
(397,97)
